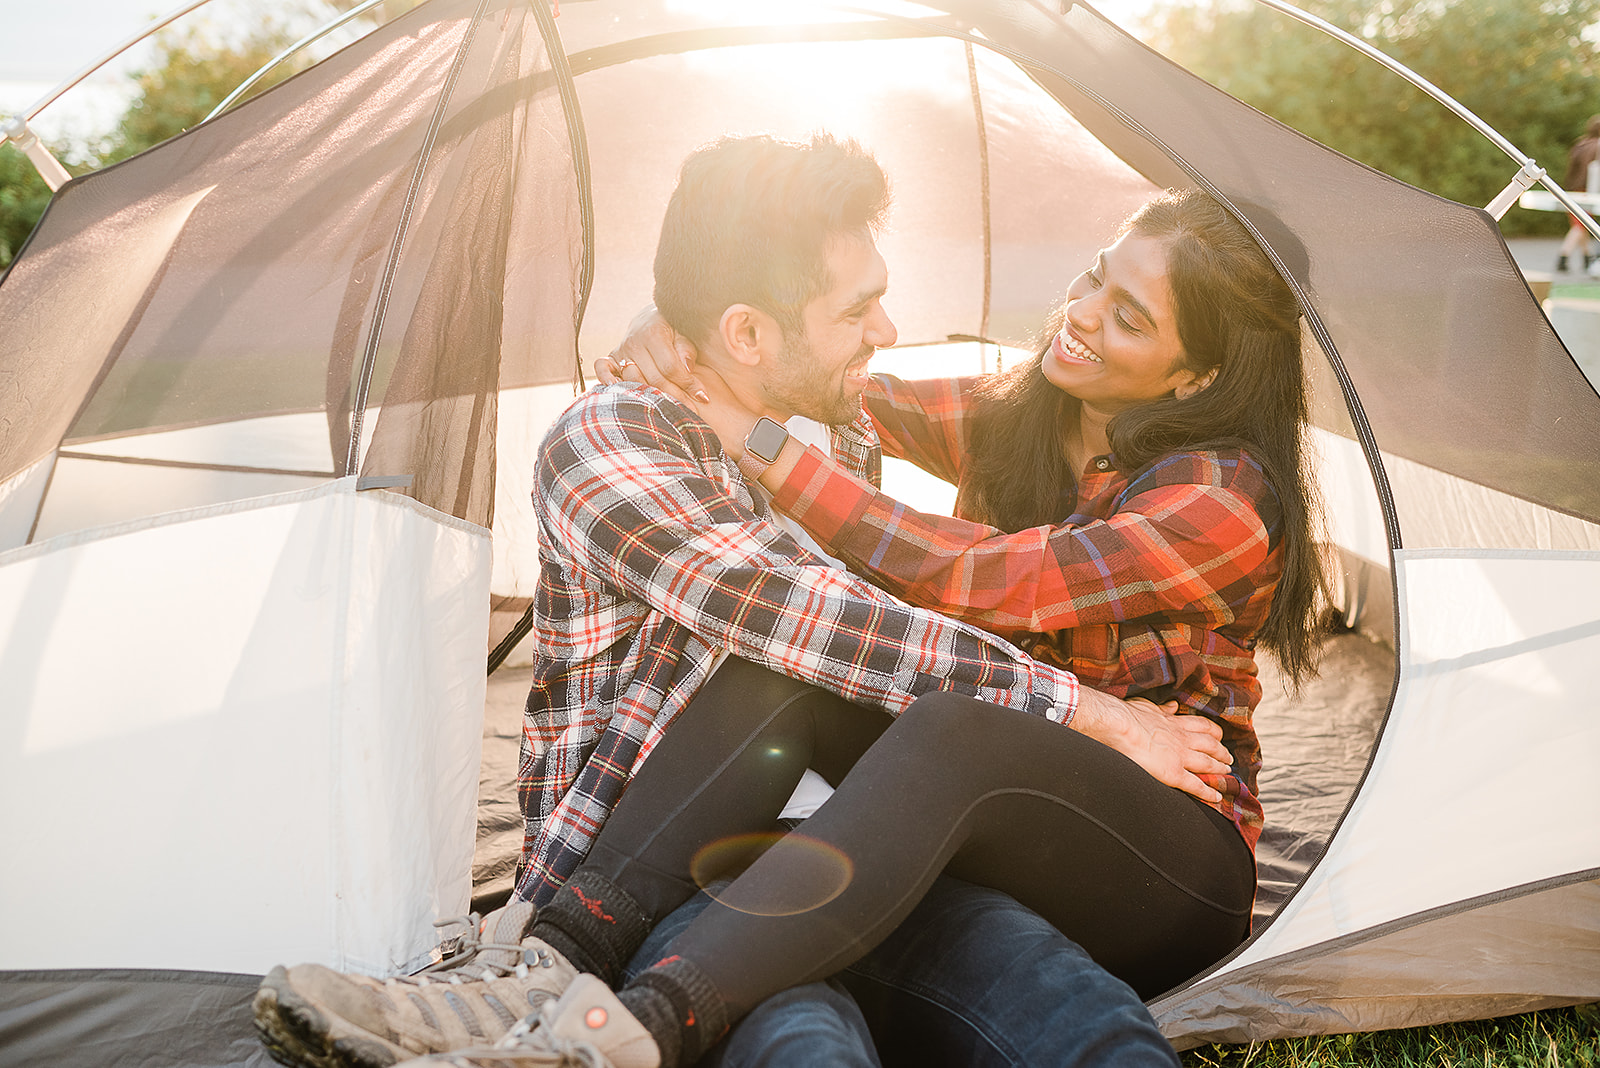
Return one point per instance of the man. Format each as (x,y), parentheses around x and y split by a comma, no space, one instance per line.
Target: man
(659,563)
(1584,151)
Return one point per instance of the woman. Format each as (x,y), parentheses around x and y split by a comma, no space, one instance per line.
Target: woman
(1147,466)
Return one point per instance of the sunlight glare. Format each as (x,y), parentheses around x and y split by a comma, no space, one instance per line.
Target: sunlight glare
(792,12)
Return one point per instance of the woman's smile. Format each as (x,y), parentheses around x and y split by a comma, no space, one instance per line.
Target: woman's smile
(1118,345)
(1067,348)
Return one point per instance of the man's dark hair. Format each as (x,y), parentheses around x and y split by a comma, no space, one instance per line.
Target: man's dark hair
(750,223)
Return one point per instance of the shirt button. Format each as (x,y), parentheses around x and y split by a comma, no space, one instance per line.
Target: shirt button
(1102,464)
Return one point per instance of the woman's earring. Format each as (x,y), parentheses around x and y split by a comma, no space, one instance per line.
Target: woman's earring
(1185,392)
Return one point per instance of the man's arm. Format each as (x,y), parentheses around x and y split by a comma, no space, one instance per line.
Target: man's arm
(630,492)
(633,490)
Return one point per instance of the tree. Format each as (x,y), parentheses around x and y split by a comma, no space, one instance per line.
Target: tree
(192,70)
(1524,66)
(23,196)
(192,75)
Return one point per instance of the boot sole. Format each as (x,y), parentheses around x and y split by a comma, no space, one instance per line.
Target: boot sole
(296,1033)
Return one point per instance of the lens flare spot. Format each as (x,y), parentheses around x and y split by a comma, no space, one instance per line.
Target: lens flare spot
(817,873)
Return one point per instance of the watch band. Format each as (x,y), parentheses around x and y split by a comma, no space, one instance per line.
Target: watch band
(762,446)
(752,467)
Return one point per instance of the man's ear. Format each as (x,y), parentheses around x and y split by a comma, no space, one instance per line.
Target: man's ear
(748,334)
(1189,389)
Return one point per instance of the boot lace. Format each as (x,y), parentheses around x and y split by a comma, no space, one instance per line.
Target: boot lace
(468,962)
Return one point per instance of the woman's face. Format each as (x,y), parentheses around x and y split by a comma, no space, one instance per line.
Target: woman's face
(1119,344)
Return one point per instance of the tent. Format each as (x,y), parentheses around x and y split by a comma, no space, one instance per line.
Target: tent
(269,397)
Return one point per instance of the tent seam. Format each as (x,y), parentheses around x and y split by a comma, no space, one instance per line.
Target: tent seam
(1388,927)
(347,484)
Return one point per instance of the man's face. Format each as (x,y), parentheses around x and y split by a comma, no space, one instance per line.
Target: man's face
(822,373)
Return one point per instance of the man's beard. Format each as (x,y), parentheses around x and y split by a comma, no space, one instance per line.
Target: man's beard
(809,390)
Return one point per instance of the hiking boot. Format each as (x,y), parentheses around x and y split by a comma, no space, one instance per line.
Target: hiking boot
(315,1017)
(587,1028)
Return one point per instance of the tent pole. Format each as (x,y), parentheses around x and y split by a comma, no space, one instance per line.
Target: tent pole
(1530,171)
(309,39)
(1526,177)
(17,131)
(1405,72)
(55,94)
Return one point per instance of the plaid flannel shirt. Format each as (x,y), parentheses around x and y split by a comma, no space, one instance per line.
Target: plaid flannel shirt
(654,557)
(1155,584)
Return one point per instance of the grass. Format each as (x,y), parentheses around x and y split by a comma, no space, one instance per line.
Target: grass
(1554,1038)
(1581,290)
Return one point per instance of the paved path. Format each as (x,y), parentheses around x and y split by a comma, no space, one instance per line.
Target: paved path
(1574,304)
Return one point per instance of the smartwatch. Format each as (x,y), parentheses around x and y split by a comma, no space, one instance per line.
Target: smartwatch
(762,446)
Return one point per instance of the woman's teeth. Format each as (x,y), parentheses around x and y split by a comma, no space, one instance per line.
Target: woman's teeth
(1075,348)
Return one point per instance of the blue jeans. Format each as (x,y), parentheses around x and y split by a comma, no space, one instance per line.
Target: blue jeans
(970,978)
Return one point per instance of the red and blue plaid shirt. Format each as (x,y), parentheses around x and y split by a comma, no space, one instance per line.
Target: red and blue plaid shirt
(1155,583)
(655,557)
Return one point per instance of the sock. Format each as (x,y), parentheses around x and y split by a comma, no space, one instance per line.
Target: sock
(653,1009)
(595,924)
(680,1008)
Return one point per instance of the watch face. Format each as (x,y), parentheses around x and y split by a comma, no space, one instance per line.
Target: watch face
(766,439)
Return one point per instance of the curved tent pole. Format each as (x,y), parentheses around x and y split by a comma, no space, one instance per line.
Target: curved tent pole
(162,23)
(578,139)
(580,163)
(309,39)
(17,130)
(369,358)
(1529,173)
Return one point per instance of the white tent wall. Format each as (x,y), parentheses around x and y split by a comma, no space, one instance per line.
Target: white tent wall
(276,756)
(1480,793)
(1510,952)
(124,477)
(524,415)
(20,497)
(1496,646)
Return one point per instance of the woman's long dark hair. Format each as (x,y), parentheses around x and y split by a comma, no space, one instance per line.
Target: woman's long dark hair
(1235,314)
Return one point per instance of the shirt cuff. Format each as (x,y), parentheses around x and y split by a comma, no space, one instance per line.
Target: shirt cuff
(1067,700)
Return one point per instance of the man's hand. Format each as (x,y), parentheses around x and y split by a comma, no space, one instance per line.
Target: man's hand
(1175,749)
(655,354)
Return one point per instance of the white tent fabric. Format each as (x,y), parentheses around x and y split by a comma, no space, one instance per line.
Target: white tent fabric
(275,753)
(1488,655)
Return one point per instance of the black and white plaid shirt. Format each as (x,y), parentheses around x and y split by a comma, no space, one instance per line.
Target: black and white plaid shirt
(654,558)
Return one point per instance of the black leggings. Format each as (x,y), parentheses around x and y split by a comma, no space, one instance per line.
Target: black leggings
(1153,884)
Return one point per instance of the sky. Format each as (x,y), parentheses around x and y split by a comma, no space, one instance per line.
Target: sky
(47,41)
